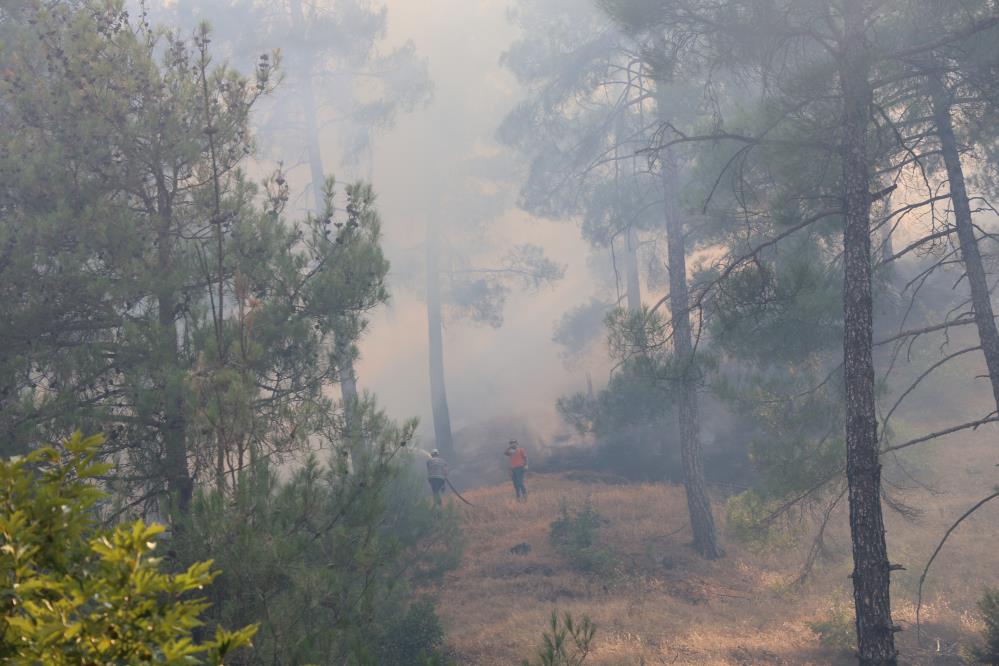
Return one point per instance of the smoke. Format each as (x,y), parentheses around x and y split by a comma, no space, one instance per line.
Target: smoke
(435,159)
(513,373)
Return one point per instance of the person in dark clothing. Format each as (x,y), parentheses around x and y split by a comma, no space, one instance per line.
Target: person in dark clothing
(518,468)
(437,475)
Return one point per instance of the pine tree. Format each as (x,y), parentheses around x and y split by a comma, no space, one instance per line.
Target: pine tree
(218,315)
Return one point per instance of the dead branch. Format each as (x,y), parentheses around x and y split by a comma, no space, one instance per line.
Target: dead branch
(926,569)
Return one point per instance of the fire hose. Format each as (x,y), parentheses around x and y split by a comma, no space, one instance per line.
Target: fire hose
(455,491)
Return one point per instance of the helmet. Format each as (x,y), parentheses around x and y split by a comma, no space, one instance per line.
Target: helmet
(435,452)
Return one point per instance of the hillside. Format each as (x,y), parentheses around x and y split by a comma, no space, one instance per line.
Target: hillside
(664,605)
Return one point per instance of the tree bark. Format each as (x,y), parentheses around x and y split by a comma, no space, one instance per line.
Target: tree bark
(871,572)
(435,338)
(702,521)
(180,485)
(981,300)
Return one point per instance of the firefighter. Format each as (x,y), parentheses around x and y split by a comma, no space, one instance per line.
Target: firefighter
(518,467)
(437,475)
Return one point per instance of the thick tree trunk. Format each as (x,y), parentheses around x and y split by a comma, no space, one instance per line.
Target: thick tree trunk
(702,521)
(435,339)
(634,285)
(180,485)
(981,300)
(871,572)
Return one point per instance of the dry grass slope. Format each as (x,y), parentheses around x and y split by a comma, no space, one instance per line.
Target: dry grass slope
(665,605)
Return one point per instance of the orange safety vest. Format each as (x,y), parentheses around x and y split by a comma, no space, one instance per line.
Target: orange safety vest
(518,458)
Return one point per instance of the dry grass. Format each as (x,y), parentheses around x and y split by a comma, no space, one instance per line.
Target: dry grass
(667,606)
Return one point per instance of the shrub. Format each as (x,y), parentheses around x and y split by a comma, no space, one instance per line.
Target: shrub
(565,643)
(838,631)
(576,537)
(988,605)
(324,557)
(414,638)
(77,594)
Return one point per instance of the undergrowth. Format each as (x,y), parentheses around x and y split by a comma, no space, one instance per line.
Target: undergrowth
(837,631)
(565,642)
(576,537)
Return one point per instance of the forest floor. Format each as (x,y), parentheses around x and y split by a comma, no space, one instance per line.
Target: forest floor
(664,605)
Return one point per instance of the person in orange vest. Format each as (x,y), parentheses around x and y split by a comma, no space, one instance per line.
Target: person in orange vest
(518,467)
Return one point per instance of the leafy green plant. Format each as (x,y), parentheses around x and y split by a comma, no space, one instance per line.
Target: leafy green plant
(73,593)
(576,537)
(565,642)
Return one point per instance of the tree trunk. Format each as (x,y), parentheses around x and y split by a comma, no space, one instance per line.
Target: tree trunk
(180,486)
(702,521)
(435,338)
(348,377)
(871,573)
(981,300)
(634,284)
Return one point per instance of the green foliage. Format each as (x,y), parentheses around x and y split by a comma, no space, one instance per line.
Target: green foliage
(573,119)
(988,606)
(565,641)
(632,418)
(74,593)
(777,321)
(779,311)
(324,556)
(838,631)
(576,536)
(628,416)
(156,292)
(750,519)
(416,637)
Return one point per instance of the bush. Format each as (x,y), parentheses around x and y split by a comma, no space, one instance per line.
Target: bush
(77,594)
(837,632)
(566,643)
(325,557)
(988,605)
(576,537)
(414,638)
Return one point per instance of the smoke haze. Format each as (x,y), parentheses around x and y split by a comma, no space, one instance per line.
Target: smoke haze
(419,164)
